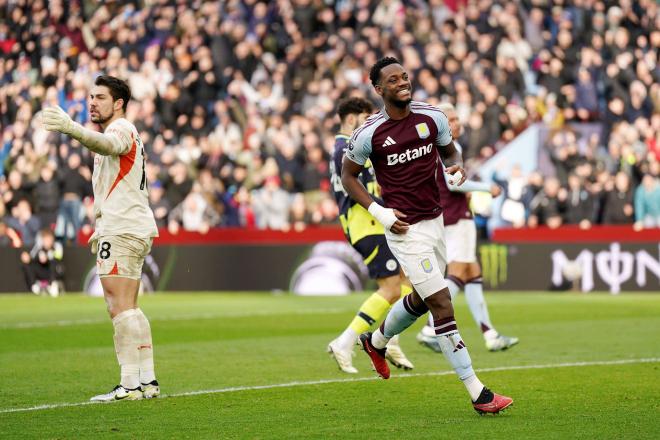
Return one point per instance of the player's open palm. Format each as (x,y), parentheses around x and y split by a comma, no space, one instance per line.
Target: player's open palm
(399,226)
(56,119)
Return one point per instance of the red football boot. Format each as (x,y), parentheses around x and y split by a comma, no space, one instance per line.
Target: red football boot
(491,403)
(376,355)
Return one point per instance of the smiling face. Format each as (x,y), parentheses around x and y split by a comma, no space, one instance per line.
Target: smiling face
(395,86)
(102,107)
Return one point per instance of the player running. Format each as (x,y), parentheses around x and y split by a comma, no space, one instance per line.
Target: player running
(125,228)
(367,236)
(463,270)
(404,142)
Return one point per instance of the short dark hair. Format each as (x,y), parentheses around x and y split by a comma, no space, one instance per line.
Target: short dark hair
(118,88)
(353,106)
(374,73)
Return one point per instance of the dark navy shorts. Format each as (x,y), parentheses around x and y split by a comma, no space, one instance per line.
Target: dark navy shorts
(378,257)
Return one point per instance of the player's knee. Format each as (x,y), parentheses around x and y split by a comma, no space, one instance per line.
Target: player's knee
(473,271)
(115,302)
(417,302)
(460,271)
(440,302)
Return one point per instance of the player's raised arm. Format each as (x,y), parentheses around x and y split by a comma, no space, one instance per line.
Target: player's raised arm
(107,144)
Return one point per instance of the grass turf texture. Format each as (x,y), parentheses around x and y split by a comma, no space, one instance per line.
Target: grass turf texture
(60,351)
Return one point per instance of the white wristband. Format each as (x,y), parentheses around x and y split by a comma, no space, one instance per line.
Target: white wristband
(455,178)
(384,215)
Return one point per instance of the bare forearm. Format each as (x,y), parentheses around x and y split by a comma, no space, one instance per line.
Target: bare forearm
(356,190)
(451,156)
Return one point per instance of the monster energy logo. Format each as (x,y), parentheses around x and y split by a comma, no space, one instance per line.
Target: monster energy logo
(494,263)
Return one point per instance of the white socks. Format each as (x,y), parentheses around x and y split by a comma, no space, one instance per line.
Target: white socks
(474,387)
(145,347)
(127,329)
(474,295)
(134,348)
(457,354)
(347,339)
(379,340)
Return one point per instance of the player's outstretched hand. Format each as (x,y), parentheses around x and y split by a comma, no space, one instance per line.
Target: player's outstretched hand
(56,119)
(399,226)
(456,175)
(495,190)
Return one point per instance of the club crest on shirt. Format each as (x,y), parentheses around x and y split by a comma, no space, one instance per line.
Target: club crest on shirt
(391,264)
(426,265)
(423,130)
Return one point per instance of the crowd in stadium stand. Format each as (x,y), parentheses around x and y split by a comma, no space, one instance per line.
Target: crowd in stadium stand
(235,101)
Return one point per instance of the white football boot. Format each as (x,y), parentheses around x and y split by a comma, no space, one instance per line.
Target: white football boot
(150,390)
(429,339)
(343,357)
(500,342)
(118,393)
(395,355)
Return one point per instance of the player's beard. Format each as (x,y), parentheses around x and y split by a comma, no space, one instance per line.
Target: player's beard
(401,103)
(101,119)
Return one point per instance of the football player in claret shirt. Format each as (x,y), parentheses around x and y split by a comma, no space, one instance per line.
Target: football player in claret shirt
(463,270)
(405,142)
(124,229)
(367,236)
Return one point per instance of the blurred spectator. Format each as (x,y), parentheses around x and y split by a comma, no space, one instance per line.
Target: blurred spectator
(580,204)
(194,213)
(42,266)
(23,222)
(18,190)
(47,197)
(547,206)
(618,200)
(271,205)
(76,184)
(177,184)
(513,208)
(159,205)
(299,217)
(647,203)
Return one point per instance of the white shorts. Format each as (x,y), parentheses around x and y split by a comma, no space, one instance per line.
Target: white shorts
(120,255)
(422,255)
(462,242)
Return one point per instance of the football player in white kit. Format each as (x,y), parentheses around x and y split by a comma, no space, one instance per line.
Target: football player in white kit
(124,229)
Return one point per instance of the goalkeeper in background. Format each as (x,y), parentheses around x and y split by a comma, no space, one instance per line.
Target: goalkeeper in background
(367,236)
(124,229)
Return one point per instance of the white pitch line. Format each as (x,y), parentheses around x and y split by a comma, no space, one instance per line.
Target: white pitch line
(348,380)
(72,322)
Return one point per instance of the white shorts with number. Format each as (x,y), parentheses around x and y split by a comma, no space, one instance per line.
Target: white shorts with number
(422,255)
(120,255)
(462,241)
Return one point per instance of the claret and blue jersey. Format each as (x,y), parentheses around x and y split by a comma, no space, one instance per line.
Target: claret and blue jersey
(404,155)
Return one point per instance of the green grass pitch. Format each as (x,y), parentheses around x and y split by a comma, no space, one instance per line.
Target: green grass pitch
(254,366)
